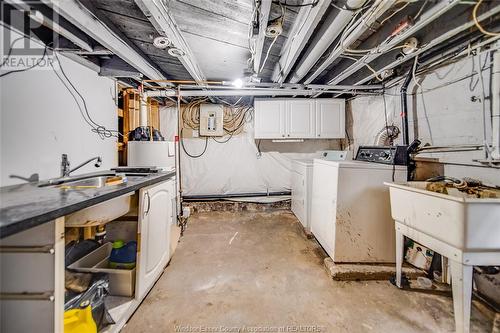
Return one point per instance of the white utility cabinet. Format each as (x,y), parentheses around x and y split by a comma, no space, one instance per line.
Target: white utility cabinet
(302,173)
(330,118)
(270,121)
(299,118)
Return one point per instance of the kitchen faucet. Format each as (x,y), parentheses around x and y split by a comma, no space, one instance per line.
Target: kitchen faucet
(66,171)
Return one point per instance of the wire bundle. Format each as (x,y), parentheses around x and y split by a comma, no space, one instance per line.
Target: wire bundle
(235,116)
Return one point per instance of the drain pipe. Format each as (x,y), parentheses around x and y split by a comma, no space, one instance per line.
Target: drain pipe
(143,104)
(404,104)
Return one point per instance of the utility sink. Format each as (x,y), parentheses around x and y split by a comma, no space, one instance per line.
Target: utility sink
(462,221)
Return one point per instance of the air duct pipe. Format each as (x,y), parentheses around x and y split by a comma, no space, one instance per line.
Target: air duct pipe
(330,30)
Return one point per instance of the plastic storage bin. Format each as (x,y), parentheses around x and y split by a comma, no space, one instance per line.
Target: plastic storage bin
(121,281)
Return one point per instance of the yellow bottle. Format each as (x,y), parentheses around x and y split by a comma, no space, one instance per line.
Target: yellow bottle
(79,321)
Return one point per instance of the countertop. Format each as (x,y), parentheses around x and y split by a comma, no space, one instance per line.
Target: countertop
(25,206)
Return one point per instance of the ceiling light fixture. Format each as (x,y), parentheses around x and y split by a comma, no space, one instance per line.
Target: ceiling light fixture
(238,83)
(161,42)
(175,52)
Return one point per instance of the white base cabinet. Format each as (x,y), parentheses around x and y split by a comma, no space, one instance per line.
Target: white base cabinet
(32,264)
(156,213)
(299,118)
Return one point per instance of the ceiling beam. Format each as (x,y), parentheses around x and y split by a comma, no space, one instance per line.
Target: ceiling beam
(161,18)
(306,21)
(364,23)
(263,10)
(116,67)
(44,16)
(85,20)
(426,18)
(331,28)
(436,41)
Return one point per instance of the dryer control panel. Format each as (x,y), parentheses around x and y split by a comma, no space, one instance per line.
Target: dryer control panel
(396,155)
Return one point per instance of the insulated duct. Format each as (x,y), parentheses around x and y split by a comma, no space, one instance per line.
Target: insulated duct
(330,30)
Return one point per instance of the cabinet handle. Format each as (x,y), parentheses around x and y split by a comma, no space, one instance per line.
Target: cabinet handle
(283,135)
(149,204)
(288,134)
(43,296)
(28,249)
(319,134)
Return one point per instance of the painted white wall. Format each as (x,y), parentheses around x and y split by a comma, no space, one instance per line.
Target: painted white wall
(40,121)
(235,166)
(443,115)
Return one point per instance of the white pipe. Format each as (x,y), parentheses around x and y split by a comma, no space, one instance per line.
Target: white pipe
(426,18)
(495,104)
(143,103)
(330,30)
(380,7)
(241,92)
(431,44)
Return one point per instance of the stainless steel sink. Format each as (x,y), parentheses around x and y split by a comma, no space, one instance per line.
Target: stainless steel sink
(94,182)
(84,181)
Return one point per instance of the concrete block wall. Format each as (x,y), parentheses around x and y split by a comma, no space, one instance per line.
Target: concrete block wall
(445,110)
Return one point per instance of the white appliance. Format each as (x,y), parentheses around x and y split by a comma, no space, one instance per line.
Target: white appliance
(350,210)
(302,173)
(160,154)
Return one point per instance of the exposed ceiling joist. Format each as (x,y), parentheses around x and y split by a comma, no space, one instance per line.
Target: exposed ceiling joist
(370,17)
(438,40)
(161,18)
(426,18)
(305,23)
(44,16)
(85,20)
(116,67)
(263,10)
(329,31)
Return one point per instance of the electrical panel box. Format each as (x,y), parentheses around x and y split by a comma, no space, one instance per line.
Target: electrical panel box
(211,120)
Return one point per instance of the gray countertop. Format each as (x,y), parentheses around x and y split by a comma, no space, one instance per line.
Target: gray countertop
(26,205)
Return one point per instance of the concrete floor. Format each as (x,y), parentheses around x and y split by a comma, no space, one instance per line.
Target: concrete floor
(259,271)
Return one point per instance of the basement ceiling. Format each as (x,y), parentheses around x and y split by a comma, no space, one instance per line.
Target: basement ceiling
(217,34)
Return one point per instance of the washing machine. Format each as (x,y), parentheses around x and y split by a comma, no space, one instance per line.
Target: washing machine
(301,184)
(350,208)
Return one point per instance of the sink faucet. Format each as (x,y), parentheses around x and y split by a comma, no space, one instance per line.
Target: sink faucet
(66,171)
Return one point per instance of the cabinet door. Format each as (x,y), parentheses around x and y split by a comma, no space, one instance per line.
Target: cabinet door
(330,118)
(154,234)
(269,119)
(300,118)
